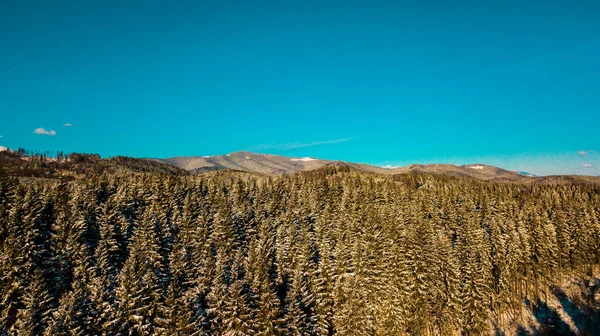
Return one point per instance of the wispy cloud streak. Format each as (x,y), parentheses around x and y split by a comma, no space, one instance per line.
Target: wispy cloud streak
(295,145)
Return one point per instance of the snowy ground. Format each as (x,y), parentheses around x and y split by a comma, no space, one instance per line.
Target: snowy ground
(304,159)
(568,310)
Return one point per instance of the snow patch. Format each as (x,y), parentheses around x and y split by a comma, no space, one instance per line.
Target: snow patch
(208,156)
(5,149)
(304,159)
(248,158)
(476,167)
(390,167)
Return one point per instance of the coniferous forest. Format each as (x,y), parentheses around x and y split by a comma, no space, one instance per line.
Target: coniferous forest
(328,252)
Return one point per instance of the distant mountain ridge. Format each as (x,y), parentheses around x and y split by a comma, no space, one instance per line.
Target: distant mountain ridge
(248,162)
(268,164)
(262,163)
(477,171)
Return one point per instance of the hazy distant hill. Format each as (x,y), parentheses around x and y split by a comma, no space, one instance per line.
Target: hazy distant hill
(263,163)
(247,161)
(478,171)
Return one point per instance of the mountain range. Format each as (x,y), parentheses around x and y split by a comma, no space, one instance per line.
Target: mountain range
(266,164)
(73,165)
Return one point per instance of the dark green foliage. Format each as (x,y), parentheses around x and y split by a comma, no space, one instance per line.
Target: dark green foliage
(321,253)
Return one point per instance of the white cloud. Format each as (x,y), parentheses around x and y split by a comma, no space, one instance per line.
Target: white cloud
(295,145)
(582,153)
(43,131)
(68,125)
(587,165)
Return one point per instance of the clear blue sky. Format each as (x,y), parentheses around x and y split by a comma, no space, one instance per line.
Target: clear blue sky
(511,83)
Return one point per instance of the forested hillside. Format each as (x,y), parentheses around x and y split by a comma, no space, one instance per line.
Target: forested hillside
(327,252)
(76,165)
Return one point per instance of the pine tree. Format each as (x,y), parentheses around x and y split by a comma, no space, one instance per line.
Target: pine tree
(260,267)
(140,291)
(228,301)
(34,317)
(474,295)
(109,256)
(77,313)
(13,274)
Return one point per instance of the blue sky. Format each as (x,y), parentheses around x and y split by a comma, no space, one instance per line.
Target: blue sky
(509,83)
